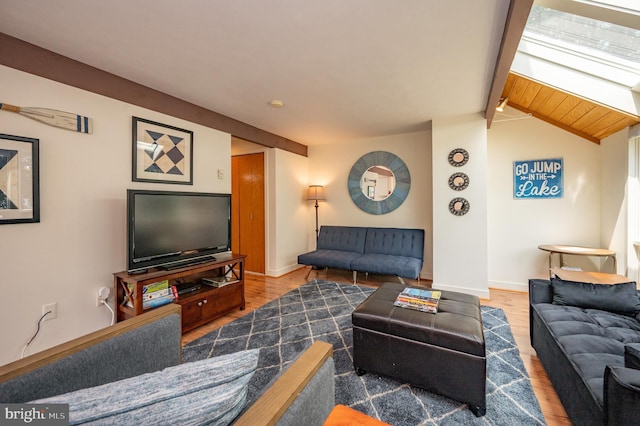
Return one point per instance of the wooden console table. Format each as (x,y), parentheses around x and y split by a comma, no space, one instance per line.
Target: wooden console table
(561,250)
(198,307)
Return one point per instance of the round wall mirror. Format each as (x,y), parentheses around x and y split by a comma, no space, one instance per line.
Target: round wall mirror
(379,182)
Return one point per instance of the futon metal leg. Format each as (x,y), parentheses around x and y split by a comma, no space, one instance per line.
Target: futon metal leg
(401,281)
(310,269)
(355,276)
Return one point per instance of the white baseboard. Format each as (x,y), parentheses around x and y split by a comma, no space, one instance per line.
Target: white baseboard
(282,271)
(481,293)
(506,285)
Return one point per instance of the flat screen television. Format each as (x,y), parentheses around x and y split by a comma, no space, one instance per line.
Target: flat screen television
(168,229)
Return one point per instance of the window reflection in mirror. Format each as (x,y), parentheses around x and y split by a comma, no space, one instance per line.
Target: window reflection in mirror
(377,183)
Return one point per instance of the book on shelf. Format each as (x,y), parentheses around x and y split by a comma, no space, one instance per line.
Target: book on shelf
(174,290)
(158,301)
(153,287)
(153,295)
(219,281)
(418,299)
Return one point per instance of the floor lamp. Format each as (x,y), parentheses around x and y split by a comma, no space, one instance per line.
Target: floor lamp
(316,193)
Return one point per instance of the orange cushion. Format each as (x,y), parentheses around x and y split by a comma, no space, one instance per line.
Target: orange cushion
(344,416)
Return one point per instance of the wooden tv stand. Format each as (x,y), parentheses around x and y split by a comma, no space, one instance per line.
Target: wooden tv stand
(198,307)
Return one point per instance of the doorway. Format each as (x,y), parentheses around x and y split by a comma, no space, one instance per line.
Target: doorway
(247,210)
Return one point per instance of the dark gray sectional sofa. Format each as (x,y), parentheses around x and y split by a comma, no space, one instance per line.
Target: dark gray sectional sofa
(384,251)
(587,337)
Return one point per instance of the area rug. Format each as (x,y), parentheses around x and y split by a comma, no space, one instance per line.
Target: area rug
(321,310)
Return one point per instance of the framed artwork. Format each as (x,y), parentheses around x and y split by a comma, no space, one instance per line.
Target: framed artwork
(19,180)
(371,192)
(536,179)
(161,153)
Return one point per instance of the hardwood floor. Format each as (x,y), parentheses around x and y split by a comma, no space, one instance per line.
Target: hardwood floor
(260,290)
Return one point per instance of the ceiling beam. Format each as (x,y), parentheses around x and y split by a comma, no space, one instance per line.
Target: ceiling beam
(513,29)
(32,59)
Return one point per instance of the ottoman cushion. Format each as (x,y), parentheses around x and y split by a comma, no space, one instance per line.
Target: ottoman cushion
(456,326)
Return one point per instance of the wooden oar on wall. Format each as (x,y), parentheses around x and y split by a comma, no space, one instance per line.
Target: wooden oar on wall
(53,117)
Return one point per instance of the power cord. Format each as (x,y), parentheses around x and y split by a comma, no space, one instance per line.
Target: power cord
(113,314)
(103,296)
(36,333)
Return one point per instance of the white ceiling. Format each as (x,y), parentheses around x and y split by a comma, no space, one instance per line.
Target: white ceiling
(345,69)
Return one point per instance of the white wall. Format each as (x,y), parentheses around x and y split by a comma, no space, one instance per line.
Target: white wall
(518,227)
(614,152)
(289,229)
(460,242)
(329,165)
(81,239)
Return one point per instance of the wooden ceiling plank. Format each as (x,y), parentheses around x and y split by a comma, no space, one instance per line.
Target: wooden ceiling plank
(565,107)
(607,120)
(590,117)
(555,123)
(508,86)
(530,94)
(622,123)
(570,112)
(552,103)
(518,90)
(541,98)
(577,112)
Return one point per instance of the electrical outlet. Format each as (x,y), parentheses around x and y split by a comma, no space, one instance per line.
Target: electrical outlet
(103,295)
(52,308)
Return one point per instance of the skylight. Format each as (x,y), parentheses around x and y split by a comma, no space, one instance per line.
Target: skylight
(586,39)
(587,47)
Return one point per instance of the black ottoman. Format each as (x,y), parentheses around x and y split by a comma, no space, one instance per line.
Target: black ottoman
(443,353)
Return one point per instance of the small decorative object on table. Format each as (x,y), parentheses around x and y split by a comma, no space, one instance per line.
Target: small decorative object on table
(418,299)
(219,281)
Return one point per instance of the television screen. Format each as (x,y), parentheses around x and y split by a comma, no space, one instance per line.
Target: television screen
(171,229)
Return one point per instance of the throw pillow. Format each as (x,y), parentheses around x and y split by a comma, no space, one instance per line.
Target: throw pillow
(632,355)
(621,298)
(213,390)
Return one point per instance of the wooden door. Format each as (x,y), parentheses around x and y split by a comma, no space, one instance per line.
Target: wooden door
(247,209)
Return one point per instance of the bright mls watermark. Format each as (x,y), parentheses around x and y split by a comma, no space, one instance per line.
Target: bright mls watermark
(34,414)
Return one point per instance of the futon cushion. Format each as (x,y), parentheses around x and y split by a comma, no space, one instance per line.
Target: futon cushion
(335,259)
(401,266)
(621,298)
(210,391)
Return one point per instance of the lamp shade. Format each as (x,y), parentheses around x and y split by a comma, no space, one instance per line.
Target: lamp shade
(316,193)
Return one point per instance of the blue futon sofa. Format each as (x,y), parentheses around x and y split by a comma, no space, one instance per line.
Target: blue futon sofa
(384,251)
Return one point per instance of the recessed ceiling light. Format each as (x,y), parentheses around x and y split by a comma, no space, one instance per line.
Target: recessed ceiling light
(276,104)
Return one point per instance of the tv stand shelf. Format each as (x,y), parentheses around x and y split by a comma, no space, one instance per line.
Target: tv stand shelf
(199,306)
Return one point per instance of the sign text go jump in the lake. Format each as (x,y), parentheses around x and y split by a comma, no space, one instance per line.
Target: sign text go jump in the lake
(537,178)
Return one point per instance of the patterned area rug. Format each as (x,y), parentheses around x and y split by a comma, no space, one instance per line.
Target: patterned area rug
(321,310)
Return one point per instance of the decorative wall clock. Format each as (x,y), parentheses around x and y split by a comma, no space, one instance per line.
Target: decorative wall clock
(459,206)
(458,157)
(458,181)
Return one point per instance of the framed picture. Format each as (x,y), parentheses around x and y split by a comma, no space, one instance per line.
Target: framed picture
(19,180)
(161,153)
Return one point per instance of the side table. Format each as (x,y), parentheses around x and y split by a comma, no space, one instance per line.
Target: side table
(561,250)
